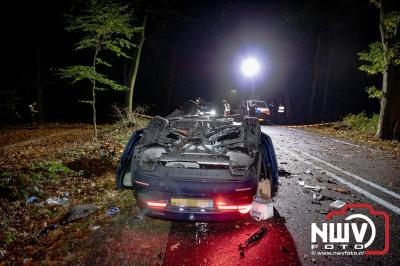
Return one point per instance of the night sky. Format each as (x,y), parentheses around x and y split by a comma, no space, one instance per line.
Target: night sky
(194,48)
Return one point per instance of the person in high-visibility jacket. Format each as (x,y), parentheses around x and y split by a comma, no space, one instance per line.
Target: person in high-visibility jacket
(227,108)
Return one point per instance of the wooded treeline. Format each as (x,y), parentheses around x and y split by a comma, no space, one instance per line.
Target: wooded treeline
(183,50)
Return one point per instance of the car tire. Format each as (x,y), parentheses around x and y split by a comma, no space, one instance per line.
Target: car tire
(153,130)
(252,134)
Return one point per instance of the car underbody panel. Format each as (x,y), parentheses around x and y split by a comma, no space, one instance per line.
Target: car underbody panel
(197,167)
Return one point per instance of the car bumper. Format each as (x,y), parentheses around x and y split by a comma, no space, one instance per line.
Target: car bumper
(196,216)
(154,189)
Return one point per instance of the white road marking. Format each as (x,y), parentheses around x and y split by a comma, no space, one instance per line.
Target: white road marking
(385,190)
(347,143)
(350,185)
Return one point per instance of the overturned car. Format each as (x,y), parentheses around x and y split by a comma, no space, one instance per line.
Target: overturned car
(196,167)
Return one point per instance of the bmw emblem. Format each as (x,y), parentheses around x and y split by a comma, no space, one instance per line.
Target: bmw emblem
(191,217)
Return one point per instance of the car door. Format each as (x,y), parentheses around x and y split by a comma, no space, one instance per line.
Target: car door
(124,174)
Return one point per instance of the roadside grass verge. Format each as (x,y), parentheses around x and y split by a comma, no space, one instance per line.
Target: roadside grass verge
(361,123)
(361,129)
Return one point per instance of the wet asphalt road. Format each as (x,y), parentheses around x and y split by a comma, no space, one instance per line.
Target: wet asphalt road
(360,174)
(369,175)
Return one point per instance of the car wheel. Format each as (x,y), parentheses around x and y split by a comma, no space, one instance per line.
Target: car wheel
(152,132)
(252,134)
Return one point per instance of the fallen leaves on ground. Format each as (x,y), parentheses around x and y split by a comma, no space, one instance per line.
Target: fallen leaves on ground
(54,162)
(391,147)
(341,190)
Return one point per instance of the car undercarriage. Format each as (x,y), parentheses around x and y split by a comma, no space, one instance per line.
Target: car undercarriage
(199,144)
(197,167)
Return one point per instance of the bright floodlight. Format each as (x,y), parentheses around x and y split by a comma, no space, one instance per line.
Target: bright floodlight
(250,67)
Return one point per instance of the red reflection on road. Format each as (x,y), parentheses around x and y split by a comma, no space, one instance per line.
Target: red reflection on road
(219,245)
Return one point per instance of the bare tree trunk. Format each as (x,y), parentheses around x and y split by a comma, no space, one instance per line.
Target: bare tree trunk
(315,77)
(39,92)
(126,78)
(135,69)
(389,115)
(94,95)
(94,108)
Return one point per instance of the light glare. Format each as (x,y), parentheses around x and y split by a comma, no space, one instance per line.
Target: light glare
(250,67)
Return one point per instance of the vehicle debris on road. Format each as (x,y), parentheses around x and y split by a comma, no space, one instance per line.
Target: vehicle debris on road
(315,188)
(338,204)
(320,197)
(316,199)
(31,199)
(95,228)
(262,209)
(330,181)
(283,172)
(256,236)
(78,212)
(341,190)
(112,211)
(175,246)
(309,188)
(201,227)
(57,201)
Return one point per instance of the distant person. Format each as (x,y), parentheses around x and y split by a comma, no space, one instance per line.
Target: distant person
(272,111)
(227,108)
(199,101)
(32,108)
(252,109)
(281,114)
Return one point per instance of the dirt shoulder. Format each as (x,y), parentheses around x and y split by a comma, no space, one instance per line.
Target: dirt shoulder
(22,135)
(44,172)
